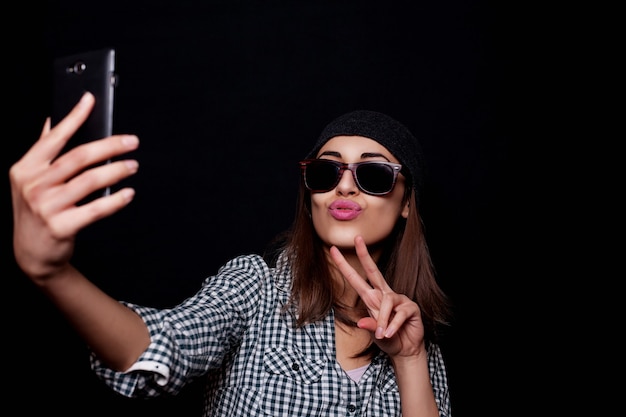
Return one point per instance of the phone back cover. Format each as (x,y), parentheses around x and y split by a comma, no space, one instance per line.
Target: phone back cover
(92,71)
(73,75)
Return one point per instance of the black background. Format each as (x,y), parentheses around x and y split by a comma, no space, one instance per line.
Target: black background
(226,97)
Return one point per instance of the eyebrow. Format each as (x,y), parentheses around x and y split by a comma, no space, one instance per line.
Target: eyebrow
(363,155)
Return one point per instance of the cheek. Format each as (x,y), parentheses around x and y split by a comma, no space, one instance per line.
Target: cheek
(318,207)
(384,217)
(383,214)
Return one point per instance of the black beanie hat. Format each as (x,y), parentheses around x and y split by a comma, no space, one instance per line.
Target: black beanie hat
(385,130)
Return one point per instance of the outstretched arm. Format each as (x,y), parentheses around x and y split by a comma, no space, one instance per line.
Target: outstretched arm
(397,328)
(46,220)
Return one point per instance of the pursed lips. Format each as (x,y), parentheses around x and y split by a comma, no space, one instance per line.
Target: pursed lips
(344,209)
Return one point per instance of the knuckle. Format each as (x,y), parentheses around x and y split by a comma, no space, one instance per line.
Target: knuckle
(15,173)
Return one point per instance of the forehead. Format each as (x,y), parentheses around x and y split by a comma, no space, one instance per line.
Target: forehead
(355,146)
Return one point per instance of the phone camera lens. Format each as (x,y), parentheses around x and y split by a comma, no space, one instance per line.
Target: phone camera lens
(78,67)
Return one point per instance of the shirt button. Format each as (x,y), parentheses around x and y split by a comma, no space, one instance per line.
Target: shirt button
(295,367)
(351,408)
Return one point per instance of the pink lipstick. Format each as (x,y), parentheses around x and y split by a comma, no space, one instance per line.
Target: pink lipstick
(344,210)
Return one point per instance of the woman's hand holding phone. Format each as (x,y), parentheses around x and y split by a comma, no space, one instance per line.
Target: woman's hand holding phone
(46,189)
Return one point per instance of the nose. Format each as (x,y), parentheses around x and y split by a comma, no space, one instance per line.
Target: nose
(347,184)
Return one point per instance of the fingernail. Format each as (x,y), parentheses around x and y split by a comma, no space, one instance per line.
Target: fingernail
(128,194)
(132,165)
(86,99)
(390,331)
(380,333)
(130,141)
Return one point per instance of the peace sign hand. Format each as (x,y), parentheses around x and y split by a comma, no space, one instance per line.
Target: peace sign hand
(395,320)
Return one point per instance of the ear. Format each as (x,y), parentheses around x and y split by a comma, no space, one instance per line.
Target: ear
(405,210)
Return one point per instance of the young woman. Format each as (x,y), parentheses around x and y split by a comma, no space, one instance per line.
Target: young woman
(342,320)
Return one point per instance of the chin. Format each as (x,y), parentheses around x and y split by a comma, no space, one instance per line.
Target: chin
(342,241)
(345,246)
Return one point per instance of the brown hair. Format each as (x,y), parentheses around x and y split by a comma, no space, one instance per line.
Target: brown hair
(405,263)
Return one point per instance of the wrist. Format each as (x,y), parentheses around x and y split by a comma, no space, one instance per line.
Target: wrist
(416,359)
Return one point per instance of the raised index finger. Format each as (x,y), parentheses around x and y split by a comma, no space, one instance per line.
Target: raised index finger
(374,276)
(52,141)
(353,278)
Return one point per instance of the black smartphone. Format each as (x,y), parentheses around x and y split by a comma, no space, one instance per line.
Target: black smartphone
(72,76)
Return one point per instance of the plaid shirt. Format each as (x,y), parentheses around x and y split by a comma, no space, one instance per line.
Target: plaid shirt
(256,362)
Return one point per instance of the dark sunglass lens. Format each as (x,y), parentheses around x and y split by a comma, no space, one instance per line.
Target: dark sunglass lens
(321,175)
(375,178)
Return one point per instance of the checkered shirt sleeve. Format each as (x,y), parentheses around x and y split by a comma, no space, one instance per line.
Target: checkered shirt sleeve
(193,337)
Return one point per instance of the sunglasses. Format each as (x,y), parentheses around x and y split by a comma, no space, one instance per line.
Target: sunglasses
(372,177)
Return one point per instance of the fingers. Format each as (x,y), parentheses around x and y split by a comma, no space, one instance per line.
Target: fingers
(45,190)
(353,278)
(401,309)
(389,310)
(377,280)
(51,141)
(78,159)
(68,194)
(46,127)
(55,186)
(374,276)
(69,222)
(34,178)
(372,272)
